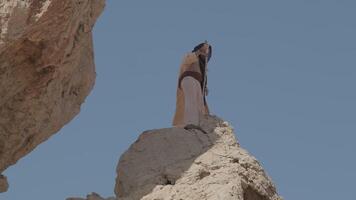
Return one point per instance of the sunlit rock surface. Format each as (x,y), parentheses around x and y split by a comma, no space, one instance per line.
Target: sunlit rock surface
(46,69)
(179,164)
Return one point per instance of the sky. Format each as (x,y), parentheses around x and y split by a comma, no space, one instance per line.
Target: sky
(283,74)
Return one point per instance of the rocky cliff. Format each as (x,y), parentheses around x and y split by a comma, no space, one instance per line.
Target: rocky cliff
(179,164)
(46,70)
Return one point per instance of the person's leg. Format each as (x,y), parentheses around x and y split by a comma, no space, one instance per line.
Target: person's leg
(191,105)
(200,102)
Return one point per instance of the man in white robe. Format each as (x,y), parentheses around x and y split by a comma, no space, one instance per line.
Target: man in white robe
(191,104)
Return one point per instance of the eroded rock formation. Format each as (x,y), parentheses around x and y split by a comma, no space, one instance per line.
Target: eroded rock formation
(177,164)
(3,184)
(46,69)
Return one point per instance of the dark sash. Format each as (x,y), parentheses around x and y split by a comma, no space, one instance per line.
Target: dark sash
(193,74)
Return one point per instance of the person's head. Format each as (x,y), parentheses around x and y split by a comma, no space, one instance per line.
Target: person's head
(203,49)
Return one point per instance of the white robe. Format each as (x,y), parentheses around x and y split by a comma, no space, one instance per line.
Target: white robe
(193,100)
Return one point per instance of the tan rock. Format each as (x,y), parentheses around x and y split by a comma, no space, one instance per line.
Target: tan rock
(175,164)
(46,69)
(3,183)
(179,164)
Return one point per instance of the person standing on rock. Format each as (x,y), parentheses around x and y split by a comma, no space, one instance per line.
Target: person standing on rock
(191,104)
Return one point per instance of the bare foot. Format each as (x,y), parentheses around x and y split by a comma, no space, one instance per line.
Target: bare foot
(193,126)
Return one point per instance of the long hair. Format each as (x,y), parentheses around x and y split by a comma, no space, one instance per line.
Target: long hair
(196,48)
(202,65)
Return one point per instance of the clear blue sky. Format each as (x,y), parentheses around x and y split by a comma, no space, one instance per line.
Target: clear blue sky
(283,73)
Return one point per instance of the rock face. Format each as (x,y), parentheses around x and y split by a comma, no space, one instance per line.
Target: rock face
(3,184)
(46,69)
(175,164)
